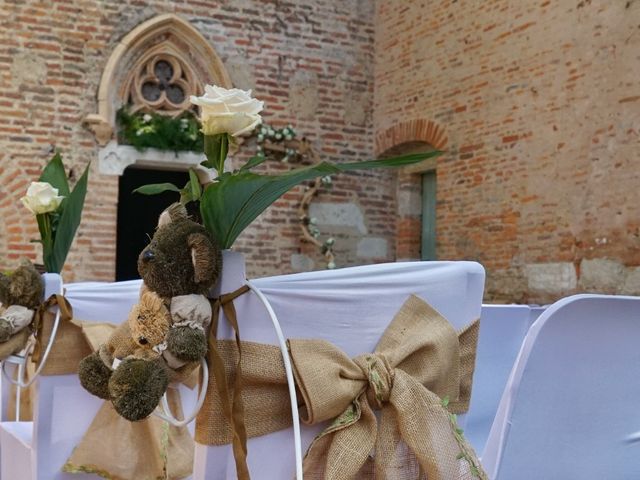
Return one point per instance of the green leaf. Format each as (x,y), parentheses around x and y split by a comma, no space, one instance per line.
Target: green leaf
(156,188)
(55,175)
(194,183)
(230,204)
(69,221)
(253,162)
(400,161)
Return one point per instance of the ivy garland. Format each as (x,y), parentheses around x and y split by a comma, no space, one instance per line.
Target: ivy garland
(282,144)
(153,130)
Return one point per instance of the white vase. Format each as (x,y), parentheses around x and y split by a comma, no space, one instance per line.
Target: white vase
(233,275)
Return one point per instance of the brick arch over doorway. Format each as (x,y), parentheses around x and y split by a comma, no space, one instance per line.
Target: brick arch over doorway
(414,206)
(418,130)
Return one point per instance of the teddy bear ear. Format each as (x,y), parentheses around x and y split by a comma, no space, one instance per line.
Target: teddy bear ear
(204,256)
(172,213)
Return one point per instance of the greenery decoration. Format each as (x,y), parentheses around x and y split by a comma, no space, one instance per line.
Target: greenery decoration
(58,211)
(152,130)
(234,200)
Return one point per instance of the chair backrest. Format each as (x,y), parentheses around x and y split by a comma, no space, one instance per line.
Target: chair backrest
(52,285)
(63,410)
(570,407)
(502,330)
(349,307)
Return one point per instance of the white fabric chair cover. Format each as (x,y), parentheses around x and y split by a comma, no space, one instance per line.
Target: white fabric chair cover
(63,410)
(570,408)
(502,330)
(349,307)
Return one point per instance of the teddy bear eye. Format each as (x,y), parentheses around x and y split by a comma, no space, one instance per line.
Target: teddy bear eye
(140,319)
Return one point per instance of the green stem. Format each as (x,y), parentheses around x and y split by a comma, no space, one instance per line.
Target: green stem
(216,148)
(46,234)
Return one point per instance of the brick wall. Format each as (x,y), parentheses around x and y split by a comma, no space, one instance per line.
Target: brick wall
(540,102)
(310,61)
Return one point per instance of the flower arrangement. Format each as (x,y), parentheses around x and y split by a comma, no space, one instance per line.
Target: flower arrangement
(233,200)
(58,210)
(152,130)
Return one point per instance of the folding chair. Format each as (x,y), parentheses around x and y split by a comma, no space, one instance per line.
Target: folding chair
(502,330)
(62,408)
(350,307)
(570,406)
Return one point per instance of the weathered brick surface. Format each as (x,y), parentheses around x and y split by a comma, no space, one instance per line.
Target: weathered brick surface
(311,62)
(536,104)
(540,103)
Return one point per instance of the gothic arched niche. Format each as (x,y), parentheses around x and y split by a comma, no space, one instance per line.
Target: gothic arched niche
(157,66)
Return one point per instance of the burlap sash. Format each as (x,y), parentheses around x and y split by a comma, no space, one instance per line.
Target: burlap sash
(118,449)
(69,347)
(420,371)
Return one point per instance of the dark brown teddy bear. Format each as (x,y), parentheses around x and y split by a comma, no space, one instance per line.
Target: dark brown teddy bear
(20,296)
(180,265)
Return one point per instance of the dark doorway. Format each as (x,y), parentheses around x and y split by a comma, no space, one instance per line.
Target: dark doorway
(138,214)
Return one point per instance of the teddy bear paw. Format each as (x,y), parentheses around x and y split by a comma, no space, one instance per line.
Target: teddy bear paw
(186,343)
(136,387)
(94,376)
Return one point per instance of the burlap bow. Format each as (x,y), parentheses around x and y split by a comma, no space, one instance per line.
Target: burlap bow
(418,376)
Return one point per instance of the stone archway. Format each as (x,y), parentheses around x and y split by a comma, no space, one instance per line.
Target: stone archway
(167,36)
(413,202)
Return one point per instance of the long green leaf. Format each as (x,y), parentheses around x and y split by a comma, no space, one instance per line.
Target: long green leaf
(401,161)
(55,175)
(253,162)
(156,188)
(194,184)
(69,221)
(230,204)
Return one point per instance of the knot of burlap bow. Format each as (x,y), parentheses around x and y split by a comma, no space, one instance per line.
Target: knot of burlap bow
(418,376)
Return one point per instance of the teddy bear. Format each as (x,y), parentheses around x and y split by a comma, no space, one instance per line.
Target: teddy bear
(178,267)
(20,295)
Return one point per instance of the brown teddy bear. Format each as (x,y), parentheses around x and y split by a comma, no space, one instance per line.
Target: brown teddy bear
(20,295)
(179,266)
(149,322)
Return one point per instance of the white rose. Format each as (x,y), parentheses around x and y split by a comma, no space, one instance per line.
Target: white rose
(41,197)
(231,111)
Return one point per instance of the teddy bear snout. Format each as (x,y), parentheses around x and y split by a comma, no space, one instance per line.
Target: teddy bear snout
(148,255)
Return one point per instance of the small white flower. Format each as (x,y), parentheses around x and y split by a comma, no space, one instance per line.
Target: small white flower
(41,198)
(278,136)
(331,265)
(146,118)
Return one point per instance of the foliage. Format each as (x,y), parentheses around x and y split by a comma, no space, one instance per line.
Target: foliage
(58,228)
(152,130)
(229,204)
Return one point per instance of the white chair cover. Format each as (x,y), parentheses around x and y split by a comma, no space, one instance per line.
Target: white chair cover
(63,410)
(349,307)
(570,408)
(502,330)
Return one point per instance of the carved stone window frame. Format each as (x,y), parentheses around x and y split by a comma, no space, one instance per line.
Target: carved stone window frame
(164,37)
